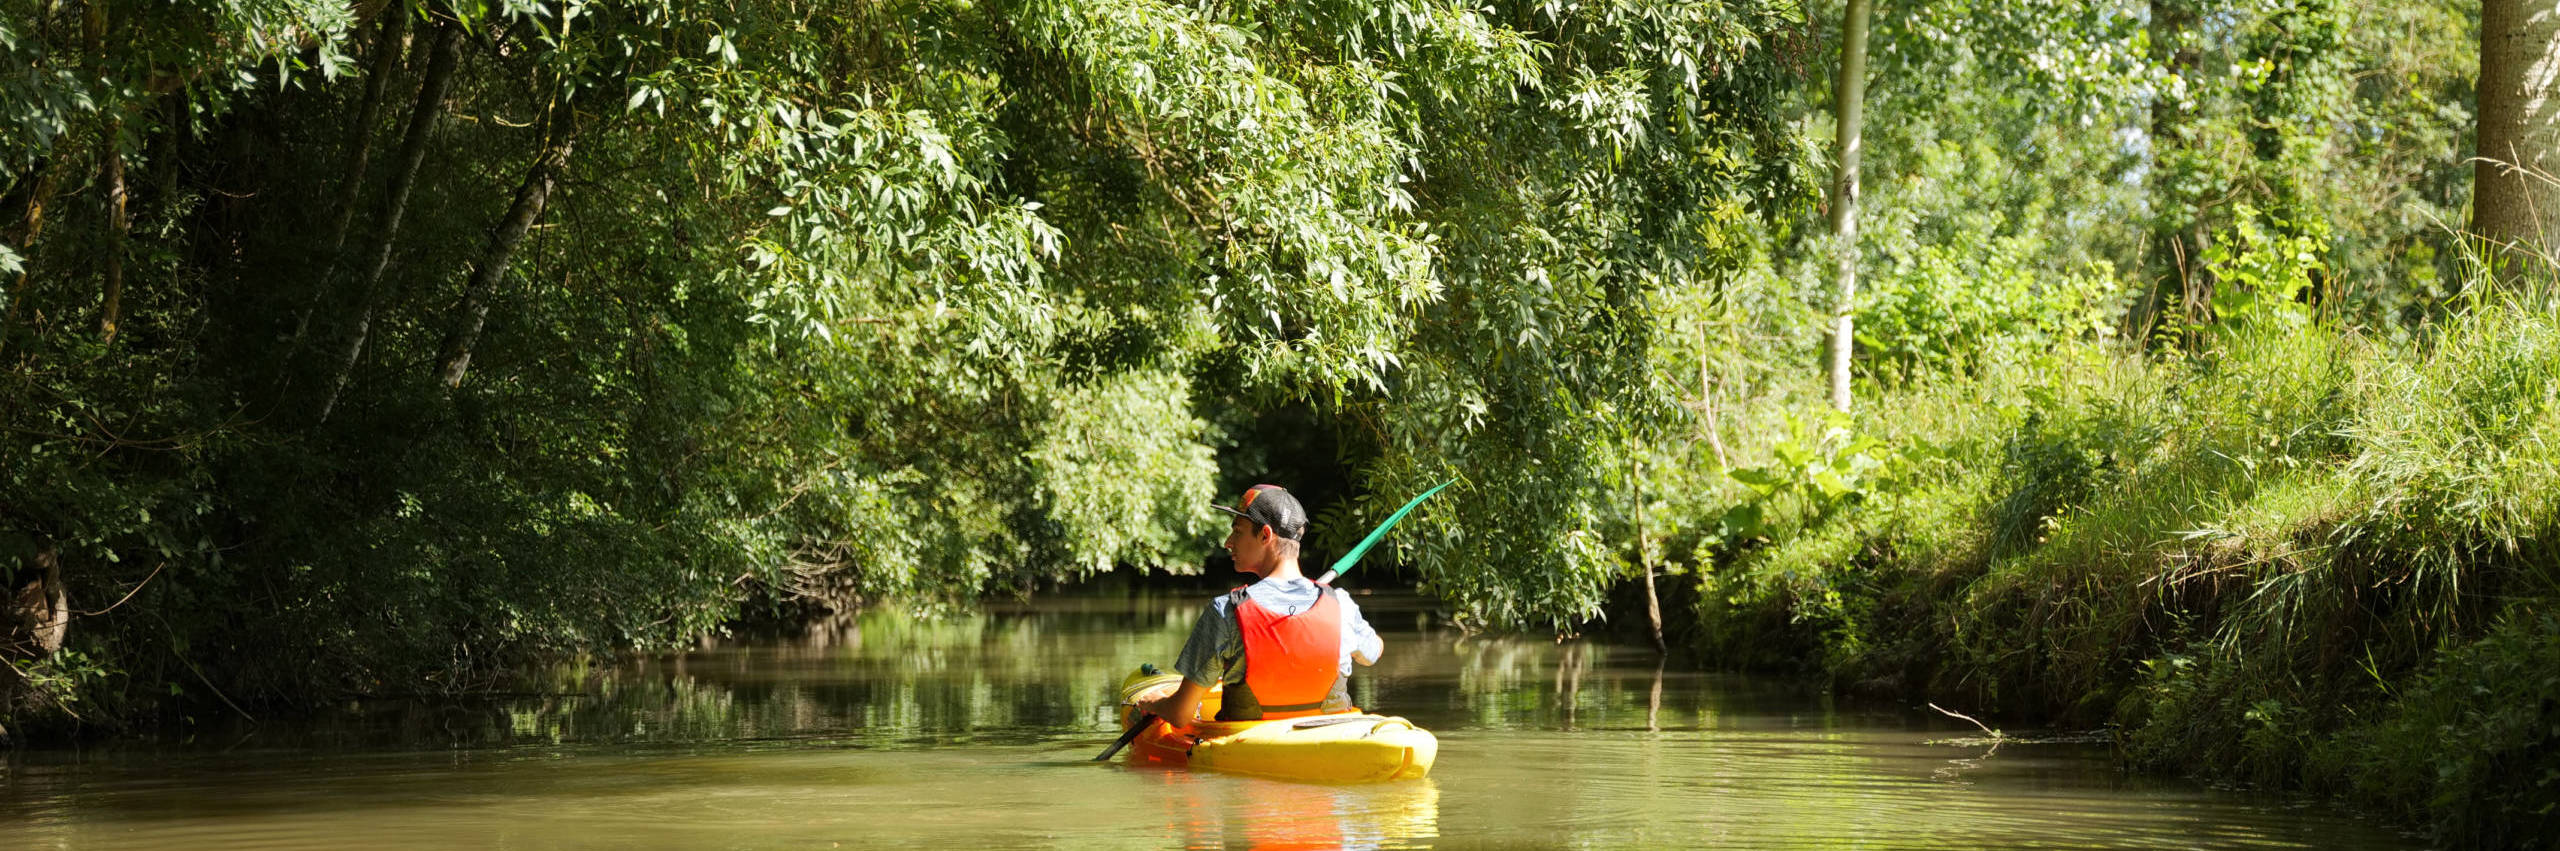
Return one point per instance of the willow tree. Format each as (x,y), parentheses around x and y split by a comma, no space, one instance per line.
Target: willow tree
(618,320)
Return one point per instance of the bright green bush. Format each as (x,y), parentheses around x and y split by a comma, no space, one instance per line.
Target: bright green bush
(1942,309)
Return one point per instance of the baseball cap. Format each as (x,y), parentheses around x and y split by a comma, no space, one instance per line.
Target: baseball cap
(1270,505)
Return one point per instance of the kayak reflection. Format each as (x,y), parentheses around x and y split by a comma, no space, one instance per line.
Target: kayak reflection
(1229,811)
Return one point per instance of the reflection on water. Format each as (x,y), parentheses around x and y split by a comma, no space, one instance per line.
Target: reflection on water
(1213,811)
(977,730)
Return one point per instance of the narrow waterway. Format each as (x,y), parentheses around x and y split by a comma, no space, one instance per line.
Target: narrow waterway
(975,731)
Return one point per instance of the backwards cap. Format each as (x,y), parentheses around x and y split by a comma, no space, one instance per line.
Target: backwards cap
(1270,505)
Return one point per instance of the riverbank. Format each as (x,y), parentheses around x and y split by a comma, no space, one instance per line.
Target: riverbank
(2298,557)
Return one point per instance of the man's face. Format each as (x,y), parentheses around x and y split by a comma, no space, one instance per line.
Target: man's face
(1245,540)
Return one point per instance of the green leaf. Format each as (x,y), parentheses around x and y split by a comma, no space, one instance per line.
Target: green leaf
(1759,480)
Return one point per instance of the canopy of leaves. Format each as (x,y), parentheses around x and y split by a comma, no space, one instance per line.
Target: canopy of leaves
(829,302)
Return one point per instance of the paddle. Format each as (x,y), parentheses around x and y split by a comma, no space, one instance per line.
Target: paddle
(1344,563)
(1339,565)
(1144,719)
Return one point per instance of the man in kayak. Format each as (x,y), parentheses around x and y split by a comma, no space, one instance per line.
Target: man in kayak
(1283,646)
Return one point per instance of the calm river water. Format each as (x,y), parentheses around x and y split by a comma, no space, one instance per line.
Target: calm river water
(974,731)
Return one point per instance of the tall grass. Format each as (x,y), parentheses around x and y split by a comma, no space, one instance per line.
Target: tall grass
(2236,557)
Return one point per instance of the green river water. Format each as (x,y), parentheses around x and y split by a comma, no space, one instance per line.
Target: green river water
(975,731)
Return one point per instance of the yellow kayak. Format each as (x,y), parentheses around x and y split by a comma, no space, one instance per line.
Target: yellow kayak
(1342,747)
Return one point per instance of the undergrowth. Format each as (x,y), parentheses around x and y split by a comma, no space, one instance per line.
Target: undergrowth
(2295,557)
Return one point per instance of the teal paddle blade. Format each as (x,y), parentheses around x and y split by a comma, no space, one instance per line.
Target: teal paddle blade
(1344,563)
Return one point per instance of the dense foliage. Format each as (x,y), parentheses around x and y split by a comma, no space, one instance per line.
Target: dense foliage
(369,347)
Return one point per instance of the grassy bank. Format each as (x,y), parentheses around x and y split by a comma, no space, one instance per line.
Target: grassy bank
(2298,557)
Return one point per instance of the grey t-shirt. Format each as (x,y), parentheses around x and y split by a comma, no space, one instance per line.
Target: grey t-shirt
(1215,652)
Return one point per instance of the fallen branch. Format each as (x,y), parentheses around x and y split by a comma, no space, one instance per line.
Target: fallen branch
(1995,734)
(1956,768)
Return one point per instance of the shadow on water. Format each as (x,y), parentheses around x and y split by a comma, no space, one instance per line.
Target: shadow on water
(978,729)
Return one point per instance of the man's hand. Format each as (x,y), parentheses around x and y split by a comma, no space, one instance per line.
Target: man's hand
(1149,701)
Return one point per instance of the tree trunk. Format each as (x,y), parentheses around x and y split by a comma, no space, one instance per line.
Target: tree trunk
(117,227)
(395,204)
(1644,558)
(41,608)
(386,58)
(559,136)
(2515,202)
(2177,229)
(1707,404)
(1851,94)
(111,167)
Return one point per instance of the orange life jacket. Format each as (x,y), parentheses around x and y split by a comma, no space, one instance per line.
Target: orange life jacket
(1292,663)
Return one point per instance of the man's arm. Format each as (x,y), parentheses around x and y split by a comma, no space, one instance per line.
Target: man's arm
(1366,646)
(1181,707)
(1203,663)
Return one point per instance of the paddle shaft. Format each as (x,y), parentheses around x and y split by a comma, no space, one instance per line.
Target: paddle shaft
(1144,719)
